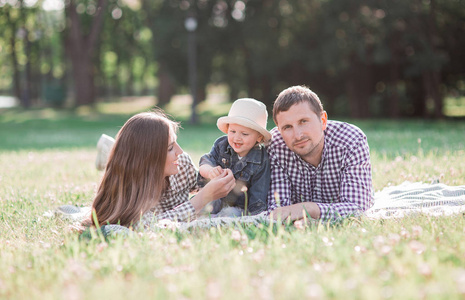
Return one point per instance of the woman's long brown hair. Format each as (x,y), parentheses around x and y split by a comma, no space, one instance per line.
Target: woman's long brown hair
(134,176)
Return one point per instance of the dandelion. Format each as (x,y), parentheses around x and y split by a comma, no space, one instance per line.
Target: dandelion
(244,190)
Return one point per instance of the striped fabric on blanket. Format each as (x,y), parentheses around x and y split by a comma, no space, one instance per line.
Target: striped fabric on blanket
(418,198)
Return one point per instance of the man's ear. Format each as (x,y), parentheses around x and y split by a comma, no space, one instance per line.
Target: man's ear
(324,119)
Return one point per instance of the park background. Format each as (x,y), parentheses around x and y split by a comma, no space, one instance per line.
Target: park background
(366,59)
(72,70)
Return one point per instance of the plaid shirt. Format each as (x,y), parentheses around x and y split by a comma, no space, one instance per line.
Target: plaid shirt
(340,185)
(174,203)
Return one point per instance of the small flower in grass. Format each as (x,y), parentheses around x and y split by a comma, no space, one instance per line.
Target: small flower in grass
(385,249)
(299,224)
(314,291)
(417,247)
(394,239)
(460,281)
(327,241)
(404,233)
(360,249)
(236,235)
(424,269)
(100,247)
(259,255)
(378,241)
(213,290)
(416,231)
(168,224)
(186,244)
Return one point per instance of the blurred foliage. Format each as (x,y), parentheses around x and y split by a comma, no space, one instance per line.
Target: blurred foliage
(364,58)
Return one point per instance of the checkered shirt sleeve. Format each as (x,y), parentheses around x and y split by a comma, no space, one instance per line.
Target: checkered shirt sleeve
(174,204)
(341,185)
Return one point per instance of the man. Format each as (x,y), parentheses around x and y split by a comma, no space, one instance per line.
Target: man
(318,167)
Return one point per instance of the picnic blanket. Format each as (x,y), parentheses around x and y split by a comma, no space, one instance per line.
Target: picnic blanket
(417,198)
(392,202)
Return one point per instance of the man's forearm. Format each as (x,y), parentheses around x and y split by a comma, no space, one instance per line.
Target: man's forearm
(297,211)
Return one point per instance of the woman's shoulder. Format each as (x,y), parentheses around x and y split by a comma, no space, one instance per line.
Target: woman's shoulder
(185,159)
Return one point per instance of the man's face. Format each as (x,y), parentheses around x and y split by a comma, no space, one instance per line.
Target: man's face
(302,131)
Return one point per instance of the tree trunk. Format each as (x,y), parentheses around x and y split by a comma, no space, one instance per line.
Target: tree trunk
(394,70)
(80,48)
(417,93)
(166,87)
(432,78)
(14,58)
(83,80)
(358,89)
(431,82)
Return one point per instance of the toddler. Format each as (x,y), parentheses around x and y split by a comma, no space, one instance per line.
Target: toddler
(242,151)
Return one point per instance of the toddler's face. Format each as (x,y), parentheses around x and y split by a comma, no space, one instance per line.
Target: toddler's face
(242,138)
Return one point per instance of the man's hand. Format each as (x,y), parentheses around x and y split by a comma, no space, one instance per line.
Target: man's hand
(297,211)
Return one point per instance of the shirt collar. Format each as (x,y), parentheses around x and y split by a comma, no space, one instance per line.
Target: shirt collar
(254,155)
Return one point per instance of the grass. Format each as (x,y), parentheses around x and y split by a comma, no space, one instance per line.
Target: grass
(46,160)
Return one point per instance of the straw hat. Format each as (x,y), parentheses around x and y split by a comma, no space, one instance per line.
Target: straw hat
(249,113)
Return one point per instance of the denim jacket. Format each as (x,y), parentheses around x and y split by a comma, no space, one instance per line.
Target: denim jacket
(252,171)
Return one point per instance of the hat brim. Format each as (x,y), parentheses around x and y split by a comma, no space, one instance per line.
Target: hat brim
(223,122)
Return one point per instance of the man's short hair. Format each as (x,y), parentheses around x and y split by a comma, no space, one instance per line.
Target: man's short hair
(294,95)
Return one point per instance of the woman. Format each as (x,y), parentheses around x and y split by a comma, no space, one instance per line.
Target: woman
(148,177)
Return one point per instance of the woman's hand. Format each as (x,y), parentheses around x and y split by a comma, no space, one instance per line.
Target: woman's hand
(217,188)
(221,185)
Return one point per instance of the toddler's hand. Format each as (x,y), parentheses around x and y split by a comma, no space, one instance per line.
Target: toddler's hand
(215,172)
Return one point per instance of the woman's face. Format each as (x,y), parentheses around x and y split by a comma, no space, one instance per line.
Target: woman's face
(171,164)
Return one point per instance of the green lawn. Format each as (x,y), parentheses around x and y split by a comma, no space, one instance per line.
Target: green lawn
(47,159)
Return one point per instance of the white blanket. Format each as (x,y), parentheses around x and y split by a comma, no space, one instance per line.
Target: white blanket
(414,198)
